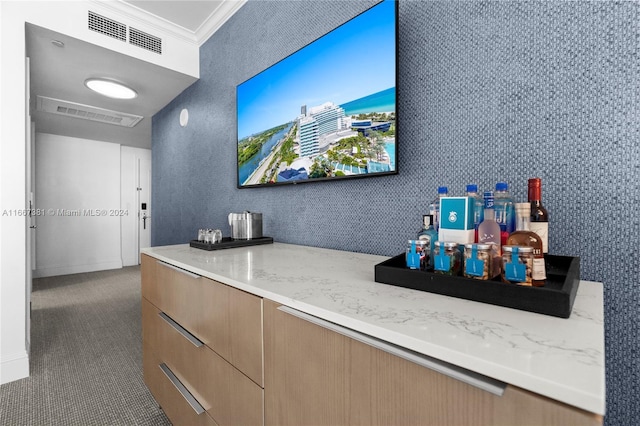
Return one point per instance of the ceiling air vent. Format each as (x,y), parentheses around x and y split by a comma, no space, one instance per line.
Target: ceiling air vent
(86,112)
(107,26)
(145,41)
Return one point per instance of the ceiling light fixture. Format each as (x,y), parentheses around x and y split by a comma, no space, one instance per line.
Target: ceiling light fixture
(110,88)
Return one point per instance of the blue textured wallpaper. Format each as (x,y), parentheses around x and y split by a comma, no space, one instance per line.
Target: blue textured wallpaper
(488,91)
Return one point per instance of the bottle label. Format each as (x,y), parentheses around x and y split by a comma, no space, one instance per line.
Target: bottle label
(413,260)
(505,216)
(474,267)
(501,216)
(442,263)
(515,272)
(539,270)
(413,256)
(542,229)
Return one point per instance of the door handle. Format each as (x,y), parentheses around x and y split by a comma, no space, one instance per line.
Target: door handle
(144,221)
(33,226)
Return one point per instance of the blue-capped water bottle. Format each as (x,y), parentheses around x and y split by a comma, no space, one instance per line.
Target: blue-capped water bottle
(434,207)
(505,212)
(478,207)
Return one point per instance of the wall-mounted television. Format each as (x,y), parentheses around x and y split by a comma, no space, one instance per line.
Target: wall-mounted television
(326,112)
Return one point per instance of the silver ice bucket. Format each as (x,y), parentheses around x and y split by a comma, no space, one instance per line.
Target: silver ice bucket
(246,225)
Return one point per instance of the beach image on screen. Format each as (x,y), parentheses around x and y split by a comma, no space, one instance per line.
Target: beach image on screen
(326,111)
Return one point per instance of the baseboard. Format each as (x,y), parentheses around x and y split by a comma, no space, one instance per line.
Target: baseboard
(14,367)
(76,269)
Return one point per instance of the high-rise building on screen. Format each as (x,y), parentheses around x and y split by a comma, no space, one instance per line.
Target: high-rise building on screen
(329,117)
(317,121)
(309,136)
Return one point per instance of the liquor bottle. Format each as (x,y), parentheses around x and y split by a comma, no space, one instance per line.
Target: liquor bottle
(434,207)
(489,231)
(523,236)
(505,215)
(478,208)
(539,216)
(428,233)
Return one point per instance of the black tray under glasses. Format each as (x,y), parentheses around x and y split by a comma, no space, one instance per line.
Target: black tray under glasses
(228,242)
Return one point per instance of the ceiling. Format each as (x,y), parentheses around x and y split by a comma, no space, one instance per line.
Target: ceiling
(190,15)
(60,72)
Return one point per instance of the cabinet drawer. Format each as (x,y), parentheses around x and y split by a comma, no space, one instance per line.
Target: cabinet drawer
(232,327)
(177,292)
(173,403)
(323,374)
(229,396)
(226,319)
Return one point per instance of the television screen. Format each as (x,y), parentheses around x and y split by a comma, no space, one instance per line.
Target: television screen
(327,111)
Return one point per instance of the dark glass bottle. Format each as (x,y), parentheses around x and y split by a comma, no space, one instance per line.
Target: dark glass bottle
(539,217)
(429,234)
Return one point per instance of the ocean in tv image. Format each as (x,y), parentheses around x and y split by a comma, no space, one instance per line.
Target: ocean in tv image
(326,111)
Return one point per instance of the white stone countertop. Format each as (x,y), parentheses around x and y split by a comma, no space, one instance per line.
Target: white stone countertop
(559,358)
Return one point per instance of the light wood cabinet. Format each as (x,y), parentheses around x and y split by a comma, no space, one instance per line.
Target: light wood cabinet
(173,403)
(214,354)
(209,336)
(317,376)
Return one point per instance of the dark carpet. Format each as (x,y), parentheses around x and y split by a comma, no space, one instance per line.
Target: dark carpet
(86,355)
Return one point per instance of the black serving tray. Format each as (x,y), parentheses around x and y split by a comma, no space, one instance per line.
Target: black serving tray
(228,242)
(555,298)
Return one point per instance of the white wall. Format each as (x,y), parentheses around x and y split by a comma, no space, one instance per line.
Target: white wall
(67,18)
(14,360)
(78,189)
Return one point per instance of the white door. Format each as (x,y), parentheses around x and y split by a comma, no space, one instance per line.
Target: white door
(135,202)
(144,200)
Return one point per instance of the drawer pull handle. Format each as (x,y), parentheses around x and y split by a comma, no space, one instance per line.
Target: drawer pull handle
(175,268)
(199,409)
(190,337)
(488,384)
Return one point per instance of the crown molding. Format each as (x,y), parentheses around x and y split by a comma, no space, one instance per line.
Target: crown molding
(217,18)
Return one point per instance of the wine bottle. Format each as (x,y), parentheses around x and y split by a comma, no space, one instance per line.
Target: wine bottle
(523,236)
(539,216)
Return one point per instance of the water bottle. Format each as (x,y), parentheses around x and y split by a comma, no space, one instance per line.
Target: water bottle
(434,207)
(478,207)
(505,213)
